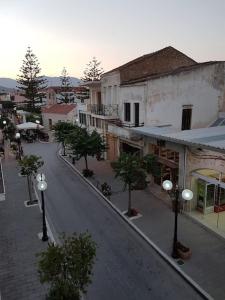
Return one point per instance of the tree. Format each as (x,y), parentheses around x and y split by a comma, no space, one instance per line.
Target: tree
(30,83)
(84,144)
(151,165)
(29,166)
(66,96)
(68,267)
(93,71)
(62,130)
(128,167)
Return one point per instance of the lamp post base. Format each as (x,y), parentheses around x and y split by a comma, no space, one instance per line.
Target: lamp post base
(175,255)
(44,238)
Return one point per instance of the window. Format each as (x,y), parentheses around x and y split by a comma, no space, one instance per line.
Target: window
(98,123)
(186,119)
(127,112)
(83,119)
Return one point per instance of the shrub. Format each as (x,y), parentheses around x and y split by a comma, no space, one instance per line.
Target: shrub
(87,173)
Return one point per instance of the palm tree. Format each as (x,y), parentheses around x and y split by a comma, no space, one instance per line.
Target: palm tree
(128,167)
(29,166)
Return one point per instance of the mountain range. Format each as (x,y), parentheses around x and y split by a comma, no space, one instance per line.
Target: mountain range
(8,84)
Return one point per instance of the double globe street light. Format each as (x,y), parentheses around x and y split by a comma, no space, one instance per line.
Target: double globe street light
(42,186)
(186,195)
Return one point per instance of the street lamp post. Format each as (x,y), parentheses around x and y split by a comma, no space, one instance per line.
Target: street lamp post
(42,186)
(38,123)
(4,126)
(19,144)
(186,195)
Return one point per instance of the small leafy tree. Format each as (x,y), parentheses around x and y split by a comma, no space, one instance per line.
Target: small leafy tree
(151,165)
(29,166)
(128,167)
(29,82)
(84,144)
(65,87)
(62,130)
(68,267)
(93,70)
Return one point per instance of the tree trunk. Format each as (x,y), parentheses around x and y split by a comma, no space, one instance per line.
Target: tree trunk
(64,149)
(29,188)
(129,201)
(86,164)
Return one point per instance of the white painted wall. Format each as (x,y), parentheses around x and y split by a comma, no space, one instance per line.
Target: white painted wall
(133,94)
(110,83)
(70,117)
(203,88)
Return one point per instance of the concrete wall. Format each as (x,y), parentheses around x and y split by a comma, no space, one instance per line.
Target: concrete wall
(70,117)
(133,94)
(203,88)
(110,88)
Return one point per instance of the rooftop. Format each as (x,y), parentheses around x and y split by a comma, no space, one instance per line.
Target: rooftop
(62,109)
(212,138)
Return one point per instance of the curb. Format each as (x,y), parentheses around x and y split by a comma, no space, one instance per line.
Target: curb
(168,260)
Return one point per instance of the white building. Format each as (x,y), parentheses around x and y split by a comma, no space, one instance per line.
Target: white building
(58,112)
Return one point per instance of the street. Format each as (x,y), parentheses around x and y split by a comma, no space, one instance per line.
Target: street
(126,266)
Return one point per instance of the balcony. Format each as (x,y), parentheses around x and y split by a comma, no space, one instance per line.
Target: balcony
(119,123)
(122,130)
(104,110)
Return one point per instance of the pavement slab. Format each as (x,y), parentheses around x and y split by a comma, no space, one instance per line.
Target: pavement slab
(19,241)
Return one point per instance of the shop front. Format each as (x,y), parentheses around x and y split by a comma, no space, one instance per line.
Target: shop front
(210,191)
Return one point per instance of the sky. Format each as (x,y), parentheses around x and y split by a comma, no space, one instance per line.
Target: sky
(68,33)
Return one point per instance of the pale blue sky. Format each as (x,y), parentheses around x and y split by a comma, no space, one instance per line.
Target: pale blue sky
(70,32)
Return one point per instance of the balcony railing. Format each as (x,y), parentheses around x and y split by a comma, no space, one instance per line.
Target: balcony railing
(104,110)
(119,123)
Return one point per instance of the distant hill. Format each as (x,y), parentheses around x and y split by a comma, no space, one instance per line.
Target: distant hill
(7,83)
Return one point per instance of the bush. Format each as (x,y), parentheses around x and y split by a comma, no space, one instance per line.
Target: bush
(87,173)
(106,189)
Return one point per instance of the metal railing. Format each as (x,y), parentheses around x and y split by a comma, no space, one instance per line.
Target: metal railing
(119,123)
(104,110)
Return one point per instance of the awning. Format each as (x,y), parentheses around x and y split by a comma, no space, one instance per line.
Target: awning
(29,125)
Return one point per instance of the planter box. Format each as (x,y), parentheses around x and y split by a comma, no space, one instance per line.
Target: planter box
(184,255)
(183,252)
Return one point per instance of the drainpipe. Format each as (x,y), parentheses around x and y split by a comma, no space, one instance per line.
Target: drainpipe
(185,166)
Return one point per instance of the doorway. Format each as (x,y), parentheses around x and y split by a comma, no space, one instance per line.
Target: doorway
(136,114)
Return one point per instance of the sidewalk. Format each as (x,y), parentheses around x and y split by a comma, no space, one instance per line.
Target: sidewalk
(19,241)
(207,264)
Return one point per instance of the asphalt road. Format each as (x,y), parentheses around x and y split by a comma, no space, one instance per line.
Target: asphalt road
(126,267)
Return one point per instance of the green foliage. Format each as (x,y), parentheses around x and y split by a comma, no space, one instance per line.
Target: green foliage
(33,117)
(30,164)
(9,129)
(66,96)
(7,105)
(68,267)
(62,130)
(87,173)
(29,82)
(4,119)
(151,165)
(93,71)
(84,144)
(128,167)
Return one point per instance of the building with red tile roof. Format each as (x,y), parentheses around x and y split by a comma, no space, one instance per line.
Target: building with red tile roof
(58,112)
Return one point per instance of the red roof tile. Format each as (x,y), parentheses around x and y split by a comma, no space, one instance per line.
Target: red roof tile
(62,109)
